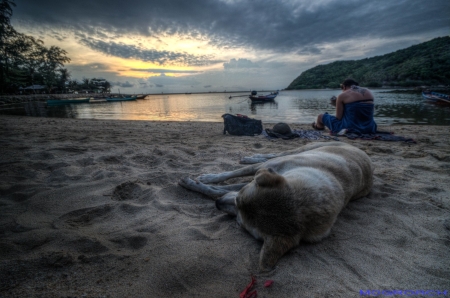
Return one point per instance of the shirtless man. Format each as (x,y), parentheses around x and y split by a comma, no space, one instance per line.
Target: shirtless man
(354,110)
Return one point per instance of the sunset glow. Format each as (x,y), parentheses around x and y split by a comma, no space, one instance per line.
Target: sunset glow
(234,45)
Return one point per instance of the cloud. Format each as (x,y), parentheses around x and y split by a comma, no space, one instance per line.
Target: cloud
(274,40)
(58,35)
(280,26)
(310,50)
(160,57)
(239,63)
(89,66)
(122,84)
(156,70)
(162,79)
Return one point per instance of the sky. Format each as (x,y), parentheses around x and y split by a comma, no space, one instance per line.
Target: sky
(154,46)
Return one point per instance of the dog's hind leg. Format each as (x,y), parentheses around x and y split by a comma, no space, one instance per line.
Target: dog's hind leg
(220,177)
(258,158)
(212,191)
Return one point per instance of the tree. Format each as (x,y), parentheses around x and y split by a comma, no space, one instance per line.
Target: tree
(63,78)
(6,31)
(51,60)
(427,63)
(73,85)
(85,83)
(24,60)
(107,86)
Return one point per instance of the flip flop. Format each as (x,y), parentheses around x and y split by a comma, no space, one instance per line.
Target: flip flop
(315,126)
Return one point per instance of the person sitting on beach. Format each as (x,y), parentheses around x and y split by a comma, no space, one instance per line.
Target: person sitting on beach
(354,111)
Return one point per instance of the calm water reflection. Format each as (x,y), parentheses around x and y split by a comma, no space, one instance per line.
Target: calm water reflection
(289,106)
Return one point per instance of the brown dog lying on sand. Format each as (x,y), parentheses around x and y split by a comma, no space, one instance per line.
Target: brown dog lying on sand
(295,196)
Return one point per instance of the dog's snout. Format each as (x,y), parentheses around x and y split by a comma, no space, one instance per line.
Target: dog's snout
(227,203)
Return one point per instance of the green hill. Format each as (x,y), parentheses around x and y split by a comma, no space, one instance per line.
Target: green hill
(427,63)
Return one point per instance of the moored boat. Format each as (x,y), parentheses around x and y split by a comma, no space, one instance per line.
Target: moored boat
(60,102)
(436,97)
(262,98)
(121,98)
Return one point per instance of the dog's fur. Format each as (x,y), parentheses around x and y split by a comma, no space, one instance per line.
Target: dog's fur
(294,195)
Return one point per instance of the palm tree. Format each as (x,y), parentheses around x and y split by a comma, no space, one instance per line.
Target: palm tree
(64,77)
(73,84)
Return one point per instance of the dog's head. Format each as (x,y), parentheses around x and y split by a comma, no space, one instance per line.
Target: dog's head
(265,208)
(267,203)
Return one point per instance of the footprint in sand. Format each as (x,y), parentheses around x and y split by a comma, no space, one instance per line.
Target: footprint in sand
(110,160)
(84,217)
(146,160)
(87,245)
(383,149)
(132,242)
(127,191)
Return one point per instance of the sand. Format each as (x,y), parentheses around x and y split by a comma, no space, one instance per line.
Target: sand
(91,208)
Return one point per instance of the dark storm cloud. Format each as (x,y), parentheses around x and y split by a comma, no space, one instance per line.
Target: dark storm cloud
(160,57)
(310,50)
(264,24)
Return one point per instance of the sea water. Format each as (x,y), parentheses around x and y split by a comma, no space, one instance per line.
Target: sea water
(300,106)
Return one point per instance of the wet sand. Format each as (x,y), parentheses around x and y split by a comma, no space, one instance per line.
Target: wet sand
(92,207)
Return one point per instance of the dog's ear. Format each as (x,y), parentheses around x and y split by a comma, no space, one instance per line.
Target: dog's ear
(268,178)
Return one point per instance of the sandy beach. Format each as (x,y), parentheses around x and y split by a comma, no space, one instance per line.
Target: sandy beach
(92,208)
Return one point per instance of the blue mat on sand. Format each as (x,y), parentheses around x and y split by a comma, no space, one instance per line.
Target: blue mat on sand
(379,135)
(316,135)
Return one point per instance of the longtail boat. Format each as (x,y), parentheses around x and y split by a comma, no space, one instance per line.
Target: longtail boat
(60,102)
(262,98)
(121,98)
(436,97)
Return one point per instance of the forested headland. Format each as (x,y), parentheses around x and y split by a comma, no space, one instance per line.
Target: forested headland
(425,64)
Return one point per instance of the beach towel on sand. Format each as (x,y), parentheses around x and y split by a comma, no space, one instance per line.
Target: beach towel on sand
(357,116)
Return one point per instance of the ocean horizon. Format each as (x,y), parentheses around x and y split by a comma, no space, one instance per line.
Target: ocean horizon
(290,106)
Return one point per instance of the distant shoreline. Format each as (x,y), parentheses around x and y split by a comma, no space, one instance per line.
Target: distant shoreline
(14,99)
(21,98)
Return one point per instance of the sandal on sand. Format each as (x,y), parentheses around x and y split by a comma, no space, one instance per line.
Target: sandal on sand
(317,128)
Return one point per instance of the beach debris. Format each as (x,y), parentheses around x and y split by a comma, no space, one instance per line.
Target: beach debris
(247,293)
(268,283)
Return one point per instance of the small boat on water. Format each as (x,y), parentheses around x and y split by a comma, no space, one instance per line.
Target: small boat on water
(121,98)
(436,97)
(60,102)
(263,98)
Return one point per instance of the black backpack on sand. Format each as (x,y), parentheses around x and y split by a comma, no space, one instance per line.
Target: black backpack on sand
(241,125)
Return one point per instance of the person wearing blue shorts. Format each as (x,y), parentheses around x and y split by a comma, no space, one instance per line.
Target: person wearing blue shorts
(354,111)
